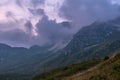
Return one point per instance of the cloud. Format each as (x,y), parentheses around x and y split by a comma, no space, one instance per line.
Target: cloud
(51,9)
(37,12)
(83,12)
(15,38)
(37,2)
(53,32)
(115,2)
(6,26)
(41,22)
(28,26)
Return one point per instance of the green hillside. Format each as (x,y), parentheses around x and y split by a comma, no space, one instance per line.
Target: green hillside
(59,73)
(107,69)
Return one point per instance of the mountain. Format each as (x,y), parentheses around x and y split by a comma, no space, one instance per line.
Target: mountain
(7,51)
(95,41)
(107,70)
(23,60)
(104,69)
(90,35)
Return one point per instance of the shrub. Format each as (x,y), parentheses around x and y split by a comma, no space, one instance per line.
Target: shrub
(106,58)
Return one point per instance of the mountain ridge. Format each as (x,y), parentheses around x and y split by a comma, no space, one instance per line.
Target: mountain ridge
(97,40)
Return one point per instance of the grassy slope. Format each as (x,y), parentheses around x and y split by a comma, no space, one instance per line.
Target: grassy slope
(59,73)
(107,70)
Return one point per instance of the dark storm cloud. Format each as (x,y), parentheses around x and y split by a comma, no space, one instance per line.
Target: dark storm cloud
(49,32)
(28,26)
(54,32)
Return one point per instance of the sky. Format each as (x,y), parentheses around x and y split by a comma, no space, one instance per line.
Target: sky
(24,23)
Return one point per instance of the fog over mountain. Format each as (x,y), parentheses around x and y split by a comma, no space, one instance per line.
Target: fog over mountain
(40,22)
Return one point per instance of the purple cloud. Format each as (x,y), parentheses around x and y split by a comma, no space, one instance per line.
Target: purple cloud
(41,22)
